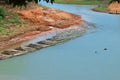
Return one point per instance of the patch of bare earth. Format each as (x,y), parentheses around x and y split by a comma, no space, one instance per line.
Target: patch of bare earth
(114,8)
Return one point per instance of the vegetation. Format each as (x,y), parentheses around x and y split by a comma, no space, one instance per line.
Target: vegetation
(8,20)
(3,13)
(101,8)
(6,24)
(102,4)
(23,2)
(87,2)
(114,1)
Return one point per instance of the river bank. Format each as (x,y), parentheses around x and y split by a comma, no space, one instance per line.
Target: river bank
(112,8)
(62,35)
(100,10)
(102,6)
(41,21)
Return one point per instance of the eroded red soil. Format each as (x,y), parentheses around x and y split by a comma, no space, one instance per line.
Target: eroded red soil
(114,7)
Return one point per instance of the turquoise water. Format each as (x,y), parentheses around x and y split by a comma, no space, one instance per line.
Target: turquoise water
(94,56)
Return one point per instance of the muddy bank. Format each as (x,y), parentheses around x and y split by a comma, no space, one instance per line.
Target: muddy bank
(61,36)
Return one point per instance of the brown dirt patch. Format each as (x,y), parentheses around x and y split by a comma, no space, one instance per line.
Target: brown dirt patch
(114,7)
(49,17)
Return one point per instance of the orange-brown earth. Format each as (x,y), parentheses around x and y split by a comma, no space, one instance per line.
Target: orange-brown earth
(40,21)
(114,7)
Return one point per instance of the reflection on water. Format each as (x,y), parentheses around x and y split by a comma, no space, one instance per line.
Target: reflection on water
(94,56)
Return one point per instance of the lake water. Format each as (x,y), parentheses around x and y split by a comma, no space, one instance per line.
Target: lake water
(94,56)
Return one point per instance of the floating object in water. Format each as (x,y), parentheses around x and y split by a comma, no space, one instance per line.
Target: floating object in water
(105,49)
(95,52)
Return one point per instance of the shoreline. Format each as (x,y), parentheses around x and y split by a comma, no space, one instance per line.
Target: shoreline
(40,21)
(62,35)
(94,9)
(66,26)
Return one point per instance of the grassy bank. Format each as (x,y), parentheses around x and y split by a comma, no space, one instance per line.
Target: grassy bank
(101,4)
(8,20)
(101,8)
(82,2)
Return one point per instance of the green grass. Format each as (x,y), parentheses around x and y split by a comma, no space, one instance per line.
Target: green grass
(2,30)
(100,8)
(3,13)
(82,2)
(87,2)
(14,20)
(1,17)
(5,24)
(9,20)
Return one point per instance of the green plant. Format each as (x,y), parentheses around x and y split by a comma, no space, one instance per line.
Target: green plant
(2,30)
(15,19)
(24,2)
(101,8)
(0,17)
(10,22)
(115,1)
(3,13)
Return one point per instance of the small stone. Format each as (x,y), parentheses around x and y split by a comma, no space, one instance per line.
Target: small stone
(32,45)
(105,49)
(20,48)
(9,52)
(45,42)
(95,52)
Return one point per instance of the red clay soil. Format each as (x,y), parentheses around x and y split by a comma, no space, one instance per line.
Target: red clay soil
(42,19)
(114,7)
(49,17)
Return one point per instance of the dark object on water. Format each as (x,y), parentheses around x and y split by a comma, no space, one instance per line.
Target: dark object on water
(105,49)
(95,52)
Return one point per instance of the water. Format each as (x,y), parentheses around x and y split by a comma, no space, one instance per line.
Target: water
(94,56)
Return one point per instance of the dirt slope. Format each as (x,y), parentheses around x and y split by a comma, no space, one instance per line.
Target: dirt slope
(40,21)
(114,7)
